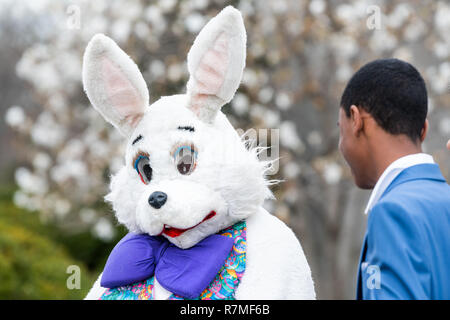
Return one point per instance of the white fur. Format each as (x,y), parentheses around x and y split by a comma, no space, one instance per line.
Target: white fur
(114,84)
(228,179)
(216,62)
(276,267)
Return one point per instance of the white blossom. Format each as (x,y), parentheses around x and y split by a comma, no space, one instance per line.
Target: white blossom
(399,15)
(289,137)
(42,161)
(194,22)
(30,182)
(291,170)
(332,173)
(87,215)
(314,138)
(317,7)
(103,229)
(382,40)
(444,126)
(176,71)
(265,94)
(15,116)
(120,30)
(240,104)
(283,100)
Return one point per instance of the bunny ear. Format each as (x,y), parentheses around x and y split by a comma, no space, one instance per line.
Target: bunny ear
(114,84)
(215,63)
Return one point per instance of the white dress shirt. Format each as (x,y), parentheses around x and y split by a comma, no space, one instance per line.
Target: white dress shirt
(392,171)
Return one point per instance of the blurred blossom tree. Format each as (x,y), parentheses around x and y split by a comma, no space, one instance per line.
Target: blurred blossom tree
(300,55)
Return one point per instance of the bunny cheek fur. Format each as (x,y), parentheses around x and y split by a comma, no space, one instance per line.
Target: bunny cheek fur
(228,178)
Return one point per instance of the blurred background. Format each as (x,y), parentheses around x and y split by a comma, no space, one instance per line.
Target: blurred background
(58,153)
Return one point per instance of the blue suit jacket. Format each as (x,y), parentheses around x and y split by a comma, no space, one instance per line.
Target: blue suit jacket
(406,250)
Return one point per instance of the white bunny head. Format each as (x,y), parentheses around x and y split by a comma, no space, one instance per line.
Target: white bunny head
(187,173)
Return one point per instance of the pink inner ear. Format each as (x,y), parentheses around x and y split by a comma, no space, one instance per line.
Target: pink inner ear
(211,72)
(121,94)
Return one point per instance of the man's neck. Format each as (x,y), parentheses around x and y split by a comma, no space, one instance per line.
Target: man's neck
(391,150)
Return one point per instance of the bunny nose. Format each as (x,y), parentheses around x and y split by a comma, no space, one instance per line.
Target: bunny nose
(157,199)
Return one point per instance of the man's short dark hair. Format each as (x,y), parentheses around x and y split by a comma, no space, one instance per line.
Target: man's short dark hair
(393,92)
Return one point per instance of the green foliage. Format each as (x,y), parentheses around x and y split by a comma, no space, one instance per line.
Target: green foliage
(32,264)
(85,247)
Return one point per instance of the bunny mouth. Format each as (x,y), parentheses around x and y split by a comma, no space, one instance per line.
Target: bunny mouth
(175,232)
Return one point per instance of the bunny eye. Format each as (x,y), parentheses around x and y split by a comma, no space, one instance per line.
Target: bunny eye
(185,159)
(143,168)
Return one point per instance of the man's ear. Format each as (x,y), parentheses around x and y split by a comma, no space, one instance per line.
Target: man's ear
(114,84)
(448,144)
(356,120)
(424,132)
(216,62)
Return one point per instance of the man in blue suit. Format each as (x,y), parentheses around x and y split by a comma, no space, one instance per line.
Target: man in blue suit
(382,121)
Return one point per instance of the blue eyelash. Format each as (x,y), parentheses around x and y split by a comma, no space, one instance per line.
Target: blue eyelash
(181,148)
(137,161)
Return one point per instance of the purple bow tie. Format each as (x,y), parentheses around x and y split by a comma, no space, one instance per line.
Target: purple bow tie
(185,272)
